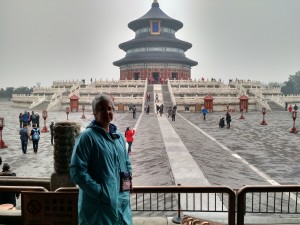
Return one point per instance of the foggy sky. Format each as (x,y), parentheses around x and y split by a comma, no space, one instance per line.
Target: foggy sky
(47,40)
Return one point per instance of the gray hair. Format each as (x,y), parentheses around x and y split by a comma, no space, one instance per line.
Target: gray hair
(99,100)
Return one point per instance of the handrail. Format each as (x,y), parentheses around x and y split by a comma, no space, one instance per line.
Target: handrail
(241,196)
(67,189)
(22,188)
(144,96)
(25,181)
(171,93)
(56,99)
(37,101)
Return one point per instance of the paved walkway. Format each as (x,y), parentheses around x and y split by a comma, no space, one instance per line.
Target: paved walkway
(190,151)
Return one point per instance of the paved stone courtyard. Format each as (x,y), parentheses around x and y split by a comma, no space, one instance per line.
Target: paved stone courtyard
(246,154)
(272,149)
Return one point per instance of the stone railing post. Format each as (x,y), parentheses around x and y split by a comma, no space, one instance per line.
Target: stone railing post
(65,134)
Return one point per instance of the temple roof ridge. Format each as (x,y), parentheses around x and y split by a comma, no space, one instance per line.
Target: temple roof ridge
(155,13)
(155,4)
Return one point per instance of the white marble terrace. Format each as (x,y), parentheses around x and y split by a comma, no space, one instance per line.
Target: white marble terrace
(132,92)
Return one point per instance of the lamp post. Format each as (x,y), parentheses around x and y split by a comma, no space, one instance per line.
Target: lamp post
(242,114)
(45,115)
(67,112)
(2,144)
(263,111)
(294,116)
(83,108)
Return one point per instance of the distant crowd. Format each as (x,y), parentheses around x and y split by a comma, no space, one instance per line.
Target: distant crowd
(27,118)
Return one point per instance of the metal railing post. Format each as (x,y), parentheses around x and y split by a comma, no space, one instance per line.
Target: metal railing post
(177,219)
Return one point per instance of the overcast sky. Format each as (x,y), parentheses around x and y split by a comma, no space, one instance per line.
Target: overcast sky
(47,40)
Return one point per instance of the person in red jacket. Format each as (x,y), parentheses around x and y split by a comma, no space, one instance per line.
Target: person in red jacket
(129,133)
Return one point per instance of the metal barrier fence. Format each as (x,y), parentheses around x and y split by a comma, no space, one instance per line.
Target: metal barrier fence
(193,199)
(281,199)
(270,199)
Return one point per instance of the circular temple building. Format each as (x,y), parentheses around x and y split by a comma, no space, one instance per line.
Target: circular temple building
(155,53)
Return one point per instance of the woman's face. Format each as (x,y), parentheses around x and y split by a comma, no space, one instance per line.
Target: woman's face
(105,113)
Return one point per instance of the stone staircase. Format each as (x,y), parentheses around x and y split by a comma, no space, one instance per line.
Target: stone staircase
(42,106)
(166,96)
(275,107)
(150,91)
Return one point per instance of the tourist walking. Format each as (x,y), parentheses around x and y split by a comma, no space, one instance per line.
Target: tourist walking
(170,112)
(8,197)
(35,137)
(101,167)
(174,113)
(24,118)
(204,112)
(148,109)
(222,123)
(20,120)
(228,119)
(52,132)
(37,119)
(161,109)
(186,108)
(295,107)
(133,112)
(157,109)
(290,108)
(29,118)
(33,118)
(24,136)
(129,133)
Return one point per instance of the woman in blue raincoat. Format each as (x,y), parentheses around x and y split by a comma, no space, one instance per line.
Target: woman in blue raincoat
(99,157)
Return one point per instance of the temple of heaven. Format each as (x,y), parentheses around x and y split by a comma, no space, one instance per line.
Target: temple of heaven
(155,53)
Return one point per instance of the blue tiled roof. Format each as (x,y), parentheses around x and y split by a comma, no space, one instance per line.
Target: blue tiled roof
(155,57)
(155,41)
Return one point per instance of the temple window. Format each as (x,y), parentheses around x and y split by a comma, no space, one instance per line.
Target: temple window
(155,26)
